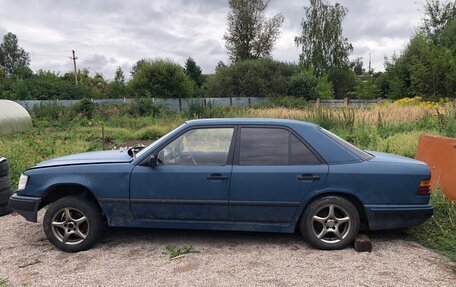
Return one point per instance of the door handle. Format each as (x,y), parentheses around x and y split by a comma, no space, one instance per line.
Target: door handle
(308,177)
(218,176)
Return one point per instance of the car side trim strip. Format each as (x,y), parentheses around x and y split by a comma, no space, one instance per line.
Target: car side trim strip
(209,202)
(265,203)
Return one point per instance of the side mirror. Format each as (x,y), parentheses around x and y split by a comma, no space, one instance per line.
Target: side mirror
(153,161)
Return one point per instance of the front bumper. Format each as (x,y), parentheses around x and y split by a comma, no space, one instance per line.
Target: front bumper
(383,217)
(27,206)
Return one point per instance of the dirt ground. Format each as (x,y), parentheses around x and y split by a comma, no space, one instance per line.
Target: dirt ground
(136,257)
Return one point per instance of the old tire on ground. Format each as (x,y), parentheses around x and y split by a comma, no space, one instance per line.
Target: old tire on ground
(73,224)
(5,195)
(330,222)
(4,168)
(5,209)
(5,183)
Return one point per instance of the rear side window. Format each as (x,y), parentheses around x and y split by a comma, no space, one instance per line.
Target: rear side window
(348,146)
(300,153)
(263,146)
(273,146)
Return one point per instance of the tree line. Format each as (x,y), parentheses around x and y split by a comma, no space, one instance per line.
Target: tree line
(425,68)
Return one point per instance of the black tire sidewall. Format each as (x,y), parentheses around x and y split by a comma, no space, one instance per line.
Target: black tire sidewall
(4,168)
(5,195)
(5,209)
(306,222)
(5,183)
(89,209)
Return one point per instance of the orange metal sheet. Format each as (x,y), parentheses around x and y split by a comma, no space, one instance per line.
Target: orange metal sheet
(440,154)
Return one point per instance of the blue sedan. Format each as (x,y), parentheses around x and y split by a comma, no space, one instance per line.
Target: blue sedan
(264,175)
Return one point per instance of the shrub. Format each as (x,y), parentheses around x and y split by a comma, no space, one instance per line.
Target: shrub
(251,78)
(85,108)
(161,79)
(146,107)
(197,109)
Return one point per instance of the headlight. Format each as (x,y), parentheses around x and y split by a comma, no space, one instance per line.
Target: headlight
(22,181)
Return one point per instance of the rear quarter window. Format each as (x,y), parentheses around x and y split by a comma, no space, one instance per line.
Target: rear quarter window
(348,146)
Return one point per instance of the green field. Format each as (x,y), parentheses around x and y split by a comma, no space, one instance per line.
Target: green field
(392,128)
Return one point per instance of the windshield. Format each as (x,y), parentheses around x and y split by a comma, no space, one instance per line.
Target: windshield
(348,146)
(155,143)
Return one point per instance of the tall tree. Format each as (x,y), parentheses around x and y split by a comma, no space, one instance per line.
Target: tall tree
(119,76)
(438,15)
(358,66)
(323,45)
(250,34)
(193,71)
(12,56)
(137,66)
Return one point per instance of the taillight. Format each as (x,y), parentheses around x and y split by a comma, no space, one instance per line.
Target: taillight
(424,188)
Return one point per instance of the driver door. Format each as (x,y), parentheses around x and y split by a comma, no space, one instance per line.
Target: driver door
(191,179)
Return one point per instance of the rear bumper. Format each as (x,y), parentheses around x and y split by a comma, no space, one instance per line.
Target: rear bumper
(397,216)
(26,206)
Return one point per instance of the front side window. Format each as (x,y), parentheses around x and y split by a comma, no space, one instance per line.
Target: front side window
(208,146)
(273,146)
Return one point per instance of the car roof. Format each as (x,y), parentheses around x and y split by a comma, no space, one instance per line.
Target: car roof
(249,121)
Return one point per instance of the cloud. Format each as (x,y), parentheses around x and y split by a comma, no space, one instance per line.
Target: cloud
(108,34)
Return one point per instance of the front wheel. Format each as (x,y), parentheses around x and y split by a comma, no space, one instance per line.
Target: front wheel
(73,224)
(330,222)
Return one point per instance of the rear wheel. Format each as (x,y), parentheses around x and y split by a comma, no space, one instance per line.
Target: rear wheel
(330,222)
(73,224)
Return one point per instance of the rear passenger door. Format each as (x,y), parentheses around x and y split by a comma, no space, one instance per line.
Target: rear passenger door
(273,171)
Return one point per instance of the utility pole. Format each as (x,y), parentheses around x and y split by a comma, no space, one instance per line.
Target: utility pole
(75,72)
(370,71)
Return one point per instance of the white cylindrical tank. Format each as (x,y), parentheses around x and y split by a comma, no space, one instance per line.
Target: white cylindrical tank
(13,118)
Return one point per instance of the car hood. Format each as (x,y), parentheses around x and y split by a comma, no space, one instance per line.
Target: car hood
(112,156)
(388,157)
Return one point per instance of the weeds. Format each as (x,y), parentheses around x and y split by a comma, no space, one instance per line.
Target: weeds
(204,109)
(438,232)
(175,252)
(3,282)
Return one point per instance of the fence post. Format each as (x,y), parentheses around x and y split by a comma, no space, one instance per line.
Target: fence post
(250,103)
(205,102)
(379,100)
(102,137)
(124,100)
(346,101)
(231,101)
(180,105)
(317,102)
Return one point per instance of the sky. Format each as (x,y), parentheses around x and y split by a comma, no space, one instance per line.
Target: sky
(109,34)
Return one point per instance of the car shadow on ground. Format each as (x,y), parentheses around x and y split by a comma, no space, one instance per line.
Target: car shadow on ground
(121,236)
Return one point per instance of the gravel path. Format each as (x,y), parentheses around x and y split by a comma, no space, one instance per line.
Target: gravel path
(135,257)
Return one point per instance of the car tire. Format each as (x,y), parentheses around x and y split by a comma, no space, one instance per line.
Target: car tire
(73,224)
(330,223)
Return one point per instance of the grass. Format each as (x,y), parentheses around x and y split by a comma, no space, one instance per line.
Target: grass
(3,282)
(175,252)
(439,233)
(393,128)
